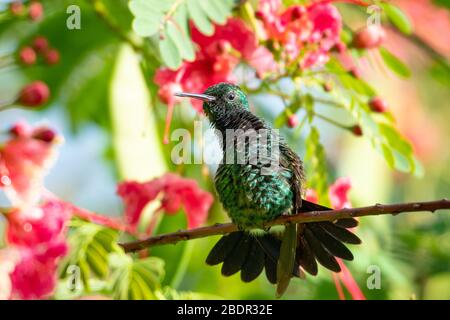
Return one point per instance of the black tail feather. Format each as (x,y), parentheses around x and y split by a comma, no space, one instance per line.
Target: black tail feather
(305,257)
(318,242)
(347,223)
(325,258)
(254,264)
(334,246)
(223,248)
(339,233)
(235,260)
(271,270)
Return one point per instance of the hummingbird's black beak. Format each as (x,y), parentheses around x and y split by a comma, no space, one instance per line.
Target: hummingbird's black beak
(203,97)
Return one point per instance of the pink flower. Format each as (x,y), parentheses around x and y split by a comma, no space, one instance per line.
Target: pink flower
(35,275)
(313,29)
(36,239)
(338,193)
(175,192)
(24,161)
(136,196)
(38,225)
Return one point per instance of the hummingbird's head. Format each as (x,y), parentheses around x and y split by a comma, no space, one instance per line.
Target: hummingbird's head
(220,100)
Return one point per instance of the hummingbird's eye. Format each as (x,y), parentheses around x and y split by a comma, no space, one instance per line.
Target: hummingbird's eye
(231,96)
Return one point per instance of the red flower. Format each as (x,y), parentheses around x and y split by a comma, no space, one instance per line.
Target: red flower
(175,192)
(338,193)
(24,160)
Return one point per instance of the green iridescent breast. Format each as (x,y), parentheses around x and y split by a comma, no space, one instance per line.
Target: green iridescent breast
(250,198)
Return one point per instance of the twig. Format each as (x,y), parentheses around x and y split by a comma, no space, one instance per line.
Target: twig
(304,217)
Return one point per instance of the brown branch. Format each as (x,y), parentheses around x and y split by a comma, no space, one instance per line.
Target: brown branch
(304,217)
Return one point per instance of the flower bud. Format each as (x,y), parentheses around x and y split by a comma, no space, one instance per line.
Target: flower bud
(357,130)
(45,134)
(34,94)
(292,121)
(377,104)
(369,37)
(52,56)
(327,86)
(40,44)
(17,8)
(35,11)
(20,129)
(340,47)
(27,56)
(355,72)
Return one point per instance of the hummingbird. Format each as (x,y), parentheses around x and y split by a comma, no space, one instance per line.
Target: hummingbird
(254,192)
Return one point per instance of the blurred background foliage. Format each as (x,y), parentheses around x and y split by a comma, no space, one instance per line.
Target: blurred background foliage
(108,111)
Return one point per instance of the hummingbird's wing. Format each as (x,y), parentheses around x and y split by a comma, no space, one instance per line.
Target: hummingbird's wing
(291,162)
(286,260)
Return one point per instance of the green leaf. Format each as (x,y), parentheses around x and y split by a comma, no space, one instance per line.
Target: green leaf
(169,52)
(145,7)
(148,26)
(358,85)
(215,10)
(308,103)
(316,166)
(182,41)
(387,153)
(135,279)
(90,246)
(443,3)
(398,18)
(199,17)
(294,106)
(440,71)
(148,15)
(394,63)
(400,149)
(170,19)
(385,138)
